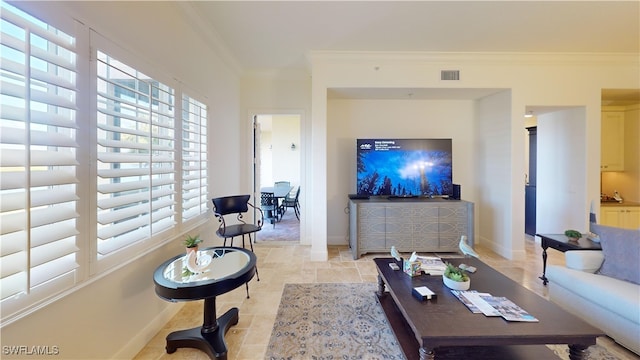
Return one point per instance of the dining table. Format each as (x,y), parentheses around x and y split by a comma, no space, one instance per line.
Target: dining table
(279,192)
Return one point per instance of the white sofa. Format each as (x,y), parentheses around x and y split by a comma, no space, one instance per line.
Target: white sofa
(607,303)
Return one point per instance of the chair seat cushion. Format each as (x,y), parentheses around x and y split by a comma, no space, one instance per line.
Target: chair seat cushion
(236,230)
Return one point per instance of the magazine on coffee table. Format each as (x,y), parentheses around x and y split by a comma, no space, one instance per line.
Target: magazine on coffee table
(460,295)
(507,309)
(476,299)
(485,303)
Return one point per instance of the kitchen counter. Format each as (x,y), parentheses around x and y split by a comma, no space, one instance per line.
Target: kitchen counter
(615,203)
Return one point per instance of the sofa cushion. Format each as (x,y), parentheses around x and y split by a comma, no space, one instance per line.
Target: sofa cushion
(584,260)
(618,296)
(621,249)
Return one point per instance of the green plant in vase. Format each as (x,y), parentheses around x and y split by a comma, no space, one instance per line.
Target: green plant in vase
(455,273)
(191,242)
(573,235)
(456,278)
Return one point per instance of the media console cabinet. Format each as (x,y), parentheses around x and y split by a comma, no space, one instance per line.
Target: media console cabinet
(409,224)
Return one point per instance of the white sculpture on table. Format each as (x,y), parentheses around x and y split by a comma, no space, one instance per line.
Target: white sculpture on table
(197,264)
(466,249)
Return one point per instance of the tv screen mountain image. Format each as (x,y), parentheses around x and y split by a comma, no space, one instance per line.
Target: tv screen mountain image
(404,167)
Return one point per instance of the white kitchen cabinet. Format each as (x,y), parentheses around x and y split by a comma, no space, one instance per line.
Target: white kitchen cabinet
(627,217)
(612,141)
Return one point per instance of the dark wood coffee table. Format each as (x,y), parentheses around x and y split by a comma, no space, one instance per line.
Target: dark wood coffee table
(445,329)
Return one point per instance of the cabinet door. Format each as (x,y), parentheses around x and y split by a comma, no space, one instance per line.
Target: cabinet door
(622,217)
(610,216)
(425,229)
(371,227)
(631,218)
(452,224)
(612,145)
(400,219)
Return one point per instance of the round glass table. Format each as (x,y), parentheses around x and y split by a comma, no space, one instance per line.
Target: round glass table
(215,271)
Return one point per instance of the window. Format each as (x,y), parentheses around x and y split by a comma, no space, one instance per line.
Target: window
(194,158)
(136,155)
(72,205)
(38,172)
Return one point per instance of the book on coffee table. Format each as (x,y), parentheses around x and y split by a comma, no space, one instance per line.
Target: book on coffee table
(431,265)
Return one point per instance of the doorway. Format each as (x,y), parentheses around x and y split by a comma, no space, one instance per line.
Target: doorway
(277,157)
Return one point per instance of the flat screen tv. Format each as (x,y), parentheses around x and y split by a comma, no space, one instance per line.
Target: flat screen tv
(404,167)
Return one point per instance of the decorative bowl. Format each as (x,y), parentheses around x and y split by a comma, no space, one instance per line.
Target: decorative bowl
(456,285)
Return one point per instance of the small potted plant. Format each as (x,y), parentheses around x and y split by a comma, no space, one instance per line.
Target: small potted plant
(573,235)
(455,278)
(191,242)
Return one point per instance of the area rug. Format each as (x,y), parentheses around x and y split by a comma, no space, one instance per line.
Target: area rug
(331,321)
(596,352)
(345,321)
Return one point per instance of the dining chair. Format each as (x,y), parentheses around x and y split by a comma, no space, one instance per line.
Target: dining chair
(282,183)
(292,202)
(286,185)
(225,209)
(269,206)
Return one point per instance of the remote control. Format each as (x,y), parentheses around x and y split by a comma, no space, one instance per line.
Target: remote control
(468,268)
(394,266)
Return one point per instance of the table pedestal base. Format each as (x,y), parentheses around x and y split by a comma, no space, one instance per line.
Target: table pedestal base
(211,343)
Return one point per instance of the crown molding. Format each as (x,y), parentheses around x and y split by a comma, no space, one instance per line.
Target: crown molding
(519,58)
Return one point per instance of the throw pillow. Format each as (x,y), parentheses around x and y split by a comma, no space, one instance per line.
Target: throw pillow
(621,250)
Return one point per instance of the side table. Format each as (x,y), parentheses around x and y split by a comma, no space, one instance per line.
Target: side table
(228,268)
(561,242)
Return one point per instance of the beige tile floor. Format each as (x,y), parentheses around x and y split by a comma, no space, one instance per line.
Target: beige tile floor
(283,263)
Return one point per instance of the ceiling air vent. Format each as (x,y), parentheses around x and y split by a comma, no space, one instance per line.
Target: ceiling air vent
(450,75)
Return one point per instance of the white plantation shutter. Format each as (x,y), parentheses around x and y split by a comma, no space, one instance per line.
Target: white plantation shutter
(69,202)
(194,158)
(38,162)
(136,155)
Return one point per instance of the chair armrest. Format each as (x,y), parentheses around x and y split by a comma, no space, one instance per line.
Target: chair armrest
(260,220)
(584,260)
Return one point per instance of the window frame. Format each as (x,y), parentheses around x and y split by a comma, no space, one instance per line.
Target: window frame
(90,267)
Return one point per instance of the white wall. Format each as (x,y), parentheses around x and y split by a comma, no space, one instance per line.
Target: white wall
(266,159)
(278,160)
(349,119)
(492,183)
(286,161)
(562,199)
(114,316)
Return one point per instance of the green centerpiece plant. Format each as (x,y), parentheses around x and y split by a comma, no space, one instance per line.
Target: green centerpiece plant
(456,278)
(573,235)
(455,273)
